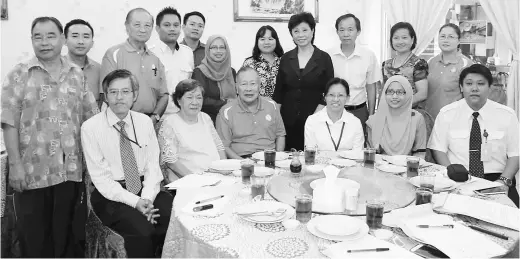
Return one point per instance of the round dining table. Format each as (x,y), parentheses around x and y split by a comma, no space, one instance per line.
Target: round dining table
(226,235)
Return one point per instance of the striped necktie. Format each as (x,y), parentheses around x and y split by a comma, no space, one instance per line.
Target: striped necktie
(476,166)
(132,179)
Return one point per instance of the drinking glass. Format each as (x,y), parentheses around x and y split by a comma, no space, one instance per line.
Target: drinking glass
(270,158)
(374,213)
(423,195)
(248,168)
(412,166)
(427,180)
(310,154)
(258,184)
(303,207)
(369,156)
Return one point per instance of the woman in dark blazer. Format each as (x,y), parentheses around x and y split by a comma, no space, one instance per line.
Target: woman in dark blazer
(301,79)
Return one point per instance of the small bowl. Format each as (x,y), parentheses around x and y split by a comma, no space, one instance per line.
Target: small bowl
(315,168)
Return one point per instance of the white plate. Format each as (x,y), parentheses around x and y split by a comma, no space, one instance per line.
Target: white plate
(265,206)
(441,183)
(315,168)
(337,225)
(342,182)
(352,154)
(342,162)
(282,163)
(279,156)
(225,165)
(401,160)
(394,169)
(311,226)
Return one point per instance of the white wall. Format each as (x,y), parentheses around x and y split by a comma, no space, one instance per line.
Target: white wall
(107,18)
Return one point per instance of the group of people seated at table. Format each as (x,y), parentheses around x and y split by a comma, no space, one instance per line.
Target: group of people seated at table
(173,110)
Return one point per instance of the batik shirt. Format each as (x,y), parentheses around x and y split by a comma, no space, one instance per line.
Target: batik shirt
(267,73)
(48,115)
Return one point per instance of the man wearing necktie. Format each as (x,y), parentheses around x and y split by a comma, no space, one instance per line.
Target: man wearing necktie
(122,156)
(478,133)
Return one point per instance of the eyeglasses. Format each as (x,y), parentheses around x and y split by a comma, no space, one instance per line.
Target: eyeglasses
(449,37)
(124,92)
(334,96)
(398,92)
(217,48)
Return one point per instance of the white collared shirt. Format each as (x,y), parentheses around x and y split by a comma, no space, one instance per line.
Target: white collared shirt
(178,66)
(101,147)
(452,129)
(358,69)
(317,133)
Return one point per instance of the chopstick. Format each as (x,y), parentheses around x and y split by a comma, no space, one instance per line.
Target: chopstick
(436,226)
(489,232)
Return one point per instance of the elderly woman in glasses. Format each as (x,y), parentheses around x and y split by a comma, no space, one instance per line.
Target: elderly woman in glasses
(188,139)
(397,129)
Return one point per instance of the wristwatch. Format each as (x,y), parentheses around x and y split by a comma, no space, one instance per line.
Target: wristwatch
(156,117)
(506,180)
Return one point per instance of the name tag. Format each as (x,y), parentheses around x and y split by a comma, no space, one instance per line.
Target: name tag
(486,151)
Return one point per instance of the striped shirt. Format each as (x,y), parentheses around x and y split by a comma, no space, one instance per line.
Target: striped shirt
(103,156)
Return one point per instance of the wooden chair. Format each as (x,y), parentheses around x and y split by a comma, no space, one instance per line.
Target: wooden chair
(101,241)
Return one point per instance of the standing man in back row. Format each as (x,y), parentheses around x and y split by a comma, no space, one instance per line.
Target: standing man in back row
(193,28)
(358,66)
(134,56)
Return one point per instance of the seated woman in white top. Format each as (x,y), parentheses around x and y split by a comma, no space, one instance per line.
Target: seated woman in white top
(188,139)
(333,128)
(397,129)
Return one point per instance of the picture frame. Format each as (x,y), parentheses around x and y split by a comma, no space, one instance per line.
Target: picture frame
(473,32)
(272,10)
(4,14)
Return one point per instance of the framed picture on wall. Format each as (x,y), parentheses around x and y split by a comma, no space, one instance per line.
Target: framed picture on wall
(272,10)
(3,10)
(473,31)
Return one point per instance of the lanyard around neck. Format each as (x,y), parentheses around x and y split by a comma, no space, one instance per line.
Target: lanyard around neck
(340,136)
(124,135)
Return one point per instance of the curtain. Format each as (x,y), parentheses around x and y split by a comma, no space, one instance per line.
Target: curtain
(504,17)
(425,16)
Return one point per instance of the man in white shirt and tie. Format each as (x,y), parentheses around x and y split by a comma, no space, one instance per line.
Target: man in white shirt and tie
(478,133)
(122,156)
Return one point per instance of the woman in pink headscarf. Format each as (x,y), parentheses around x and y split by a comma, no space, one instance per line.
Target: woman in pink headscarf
(397,129)
(216,76)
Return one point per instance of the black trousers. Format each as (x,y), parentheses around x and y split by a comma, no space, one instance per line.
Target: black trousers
(141,237)
(362,114)
(512,194)
(295,137)
(44,220)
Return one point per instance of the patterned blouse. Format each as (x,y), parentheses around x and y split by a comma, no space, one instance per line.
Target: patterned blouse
(267,73)
(48,114)
(415,69)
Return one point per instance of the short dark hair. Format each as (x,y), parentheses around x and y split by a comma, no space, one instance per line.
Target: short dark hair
(245,69)
(453,26)
(76,22)
(336,80)
(183,87)
(44,19)
(120,74)
(476,69)
(346,16)
(129,14)
(403,25)
(165,11)
(304,17)
(187,16)
(278,50)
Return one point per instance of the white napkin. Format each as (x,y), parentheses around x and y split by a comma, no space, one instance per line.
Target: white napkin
(329,197)
(339,250)
(457,242)
(199,180)
(394,217)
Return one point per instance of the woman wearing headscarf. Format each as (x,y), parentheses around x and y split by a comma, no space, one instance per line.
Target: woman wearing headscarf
(216,76)
(397,129)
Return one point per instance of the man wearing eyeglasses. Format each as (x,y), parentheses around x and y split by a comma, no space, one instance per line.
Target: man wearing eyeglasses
(44,102)
(122,156)
(250,123)
(135,56)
